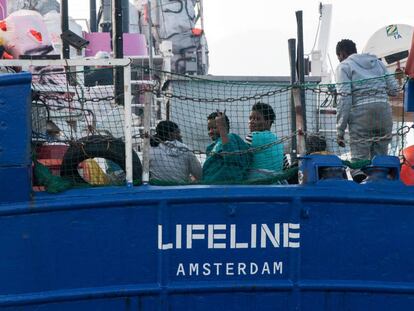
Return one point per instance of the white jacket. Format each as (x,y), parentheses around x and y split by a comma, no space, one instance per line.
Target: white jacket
(373,91)
(174,162)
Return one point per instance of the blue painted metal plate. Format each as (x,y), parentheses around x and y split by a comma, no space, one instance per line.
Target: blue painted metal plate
(202,248)
(15,124)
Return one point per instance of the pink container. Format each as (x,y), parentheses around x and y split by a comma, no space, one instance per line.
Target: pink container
(3,9)
(134,43)
(98,41)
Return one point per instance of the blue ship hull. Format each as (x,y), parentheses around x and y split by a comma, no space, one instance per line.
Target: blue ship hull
(118,249)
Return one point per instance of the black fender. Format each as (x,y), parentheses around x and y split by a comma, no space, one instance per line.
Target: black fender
(97,147)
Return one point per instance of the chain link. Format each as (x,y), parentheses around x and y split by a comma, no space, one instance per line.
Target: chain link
(279,141)
(214,100)
(83,100)
(171,145)
(404,130)
(184,149)
(257,149)
(334,92)
(157,90)
(372,139)
(330,90)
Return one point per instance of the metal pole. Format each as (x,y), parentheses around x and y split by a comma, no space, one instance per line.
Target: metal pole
(119,78)
(148,105)
(292,62)
(150,52)
(106,16)
(64,13)
(117,42)
(92,16)
(203,41)
(301,65)
(125,16)
(128,126)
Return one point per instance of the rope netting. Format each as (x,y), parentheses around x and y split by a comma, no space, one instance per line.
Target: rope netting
(210,130)
(78,126)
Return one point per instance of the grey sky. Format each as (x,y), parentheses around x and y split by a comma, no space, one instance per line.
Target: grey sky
(248,37)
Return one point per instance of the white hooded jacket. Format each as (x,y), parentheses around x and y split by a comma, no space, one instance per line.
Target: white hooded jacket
(377,84)
(174,162)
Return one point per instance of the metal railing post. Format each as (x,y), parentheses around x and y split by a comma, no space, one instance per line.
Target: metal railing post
(128,125)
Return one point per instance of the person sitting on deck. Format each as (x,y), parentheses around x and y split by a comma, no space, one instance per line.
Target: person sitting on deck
(228,158)
(267,153)
(170,159)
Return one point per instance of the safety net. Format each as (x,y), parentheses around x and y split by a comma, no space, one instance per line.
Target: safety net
(209,130)
(78,127)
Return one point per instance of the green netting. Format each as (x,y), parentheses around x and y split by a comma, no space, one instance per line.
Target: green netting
(81,111)
(357,164)
(369,131)
(52,183)
(240,130)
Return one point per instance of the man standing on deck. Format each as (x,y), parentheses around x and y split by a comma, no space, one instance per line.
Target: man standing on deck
(363,105)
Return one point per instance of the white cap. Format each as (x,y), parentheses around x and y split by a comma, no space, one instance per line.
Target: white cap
(102,55)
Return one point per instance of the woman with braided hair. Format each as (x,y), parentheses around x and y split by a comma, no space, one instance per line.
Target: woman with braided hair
(171,161)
